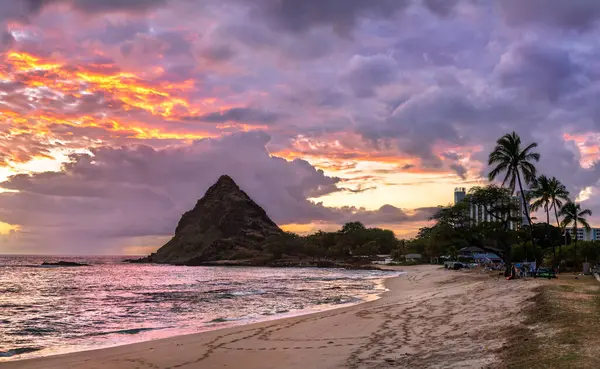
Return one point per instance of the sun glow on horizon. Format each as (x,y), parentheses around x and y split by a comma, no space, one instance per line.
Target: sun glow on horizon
(7,229)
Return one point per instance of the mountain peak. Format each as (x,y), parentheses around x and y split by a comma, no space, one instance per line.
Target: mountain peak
(225,179)
(224,221)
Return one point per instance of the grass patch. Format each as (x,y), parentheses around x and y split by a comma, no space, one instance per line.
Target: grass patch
(561,327)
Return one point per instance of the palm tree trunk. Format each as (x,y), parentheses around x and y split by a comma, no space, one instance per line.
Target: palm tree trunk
(558,225)
(575,245)
(549,235)
(526,214)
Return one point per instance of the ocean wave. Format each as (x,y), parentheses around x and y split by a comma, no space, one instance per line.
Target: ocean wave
(248,293)
(10,290)
(223,320)
(229,294)
(19,351)
(123,331)
(33,332)
(326,279)
(338,300)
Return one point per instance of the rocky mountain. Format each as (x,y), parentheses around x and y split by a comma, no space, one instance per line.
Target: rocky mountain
(225,224)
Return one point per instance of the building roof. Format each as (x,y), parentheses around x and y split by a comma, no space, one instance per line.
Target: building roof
(471,249)
(487,255)
(380,258)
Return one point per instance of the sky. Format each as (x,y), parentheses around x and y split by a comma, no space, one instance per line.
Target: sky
(117,115)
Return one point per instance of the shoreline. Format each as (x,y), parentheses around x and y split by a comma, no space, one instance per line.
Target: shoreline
(429,315)
(153,334)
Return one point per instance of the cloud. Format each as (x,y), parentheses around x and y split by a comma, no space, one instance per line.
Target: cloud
(215,53)
(387,214)
(451,156)
(115,33)
(238,115)
(365,73)
(576,14)
(22,10)
(544,71)
(348,86)
(441,7)
(459,169)
(128,192)
(6,40)
(341,15)
(93,6)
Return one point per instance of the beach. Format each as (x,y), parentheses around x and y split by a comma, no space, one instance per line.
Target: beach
(430,318)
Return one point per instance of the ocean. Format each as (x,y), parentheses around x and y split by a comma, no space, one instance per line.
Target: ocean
(46,310)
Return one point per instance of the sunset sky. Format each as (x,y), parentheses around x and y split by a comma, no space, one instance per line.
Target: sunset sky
(117,115)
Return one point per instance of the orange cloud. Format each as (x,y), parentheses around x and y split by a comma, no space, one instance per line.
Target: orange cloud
(123,86)
(52,91)
(588,144)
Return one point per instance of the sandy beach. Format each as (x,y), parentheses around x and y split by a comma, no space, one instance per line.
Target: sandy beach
(430,318)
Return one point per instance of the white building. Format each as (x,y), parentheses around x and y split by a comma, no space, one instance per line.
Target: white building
(584,235)
(413,257)
(381,259)
(479,213)
(459,194)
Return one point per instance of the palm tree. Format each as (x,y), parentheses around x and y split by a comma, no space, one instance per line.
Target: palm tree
(510,158)
(574,215)
(541,192)
(558,193)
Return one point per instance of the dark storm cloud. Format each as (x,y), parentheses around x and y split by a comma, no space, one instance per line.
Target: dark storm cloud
(144,46)
(23,9)
(258,36)
(216,52)
(341,15)
(365,73)
(238,115)
(115,33)
(95,6)
(387,214)
(6,40)
(441,7)
(423,120)
(572,14)
(544,71)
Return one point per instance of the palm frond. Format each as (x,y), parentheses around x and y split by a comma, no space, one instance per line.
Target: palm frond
(529,171)
(537,204)
(497,170)
(531,146)
(584,223)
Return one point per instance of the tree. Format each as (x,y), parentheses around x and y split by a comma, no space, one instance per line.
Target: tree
(502,210)
(574,215)
(456,216)
(352,227)
(541,192)
(508,157)
(558,194)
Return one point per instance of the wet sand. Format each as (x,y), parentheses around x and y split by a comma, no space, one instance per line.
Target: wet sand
(430,318)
